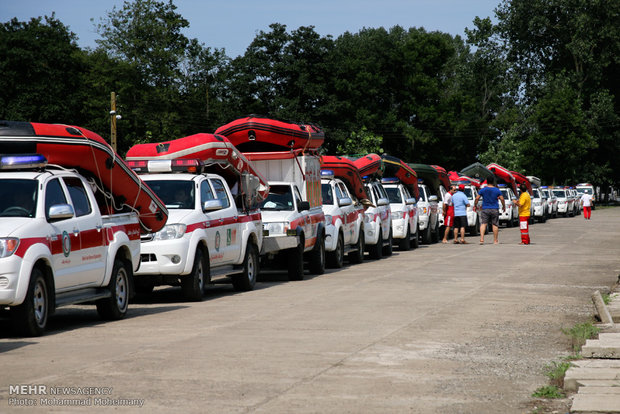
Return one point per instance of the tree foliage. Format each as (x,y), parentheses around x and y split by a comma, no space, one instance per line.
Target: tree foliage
(537,91)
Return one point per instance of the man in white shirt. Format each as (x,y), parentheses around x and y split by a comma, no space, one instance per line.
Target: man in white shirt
(586,202)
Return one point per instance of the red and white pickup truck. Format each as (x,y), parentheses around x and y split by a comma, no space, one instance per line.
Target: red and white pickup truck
(292,215)
(56,246)
(207,236)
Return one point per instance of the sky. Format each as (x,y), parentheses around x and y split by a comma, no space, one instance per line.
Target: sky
(233,24)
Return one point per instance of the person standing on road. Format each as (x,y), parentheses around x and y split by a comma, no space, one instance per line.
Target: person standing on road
(448,213)
(460,203)
(524,203)
(490,209)
(586,202)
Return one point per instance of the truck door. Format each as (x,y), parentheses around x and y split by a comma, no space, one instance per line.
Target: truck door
(87,220)
(349,214)
(64,237)
(229,234)
(216,254)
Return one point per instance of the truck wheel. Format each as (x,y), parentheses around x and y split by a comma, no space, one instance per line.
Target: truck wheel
(30,318)
(336,258)
(247,279)
(388,248)
(193,285)
(296,262)
(115,307)
(416,238)
(405,244)
(317,256)
(358,255)
(426,234)
(376,251)
(435,234)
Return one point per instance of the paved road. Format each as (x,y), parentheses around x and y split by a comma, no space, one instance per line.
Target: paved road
(440,329)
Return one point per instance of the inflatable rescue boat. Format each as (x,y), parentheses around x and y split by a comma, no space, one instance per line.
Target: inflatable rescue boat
(344,169)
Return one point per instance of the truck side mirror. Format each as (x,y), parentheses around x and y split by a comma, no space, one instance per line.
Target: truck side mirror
(382,202)
(433,198)
(304,205)
(410,201)
(212,205)
(60,212)
(345,201)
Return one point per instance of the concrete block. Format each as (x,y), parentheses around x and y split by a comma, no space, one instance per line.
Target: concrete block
(573,376)
(599,390)
(596,363)
(596,403)
(600,351)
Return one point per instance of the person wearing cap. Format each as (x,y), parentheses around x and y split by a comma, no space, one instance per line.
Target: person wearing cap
(524,203)
(448,213)
(460,203)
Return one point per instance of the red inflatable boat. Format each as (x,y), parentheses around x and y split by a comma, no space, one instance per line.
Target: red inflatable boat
(522,179)
(503,176)
(215,151)
(75,147)
(368,165)
(344,169)
(395,167)
(457,178)
(256,134)
(443,176)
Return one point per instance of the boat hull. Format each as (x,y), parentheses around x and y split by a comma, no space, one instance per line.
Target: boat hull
(256,134)
(395,167)
(217,152)
(75,147)
(504,176)
(344,169)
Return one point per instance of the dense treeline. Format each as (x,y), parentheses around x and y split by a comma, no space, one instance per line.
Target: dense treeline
(536,92)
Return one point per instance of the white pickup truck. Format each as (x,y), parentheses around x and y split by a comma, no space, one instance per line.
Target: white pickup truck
(344,219)
(509,216)
(208,238)
(428,207)
(57,248)
(378,221)
(405,227)
(293,218)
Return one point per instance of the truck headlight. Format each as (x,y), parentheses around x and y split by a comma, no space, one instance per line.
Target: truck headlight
(277,227)
(171,231)
(8,245)
(368,217)
(328,219)
(397,215)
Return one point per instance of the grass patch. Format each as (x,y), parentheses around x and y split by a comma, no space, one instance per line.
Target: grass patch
(606,298)
(548,391)
(555,372)
(580,332)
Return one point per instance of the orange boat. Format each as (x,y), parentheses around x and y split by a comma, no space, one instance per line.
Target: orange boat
(395,167)
(344,169)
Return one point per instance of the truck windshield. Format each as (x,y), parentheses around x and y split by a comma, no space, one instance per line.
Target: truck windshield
(393,194)
(422,194)
(468,193)
(176,194)
(18,197)
(559,193)
(280,198)
(584,190)
(327,193)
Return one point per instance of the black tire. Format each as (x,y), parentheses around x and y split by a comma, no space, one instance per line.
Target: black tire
(405,244)
(115,307)
(376,251)
(30,318)
(435,234)
(193,285)
(246,280)
(335,259)
(317,256)
(358,255)
(426,234)
(416,238)
(388,248)
(296,262)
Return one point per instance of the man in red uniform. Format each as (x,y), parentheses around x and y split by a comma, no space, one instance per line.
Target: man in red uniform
(448,213)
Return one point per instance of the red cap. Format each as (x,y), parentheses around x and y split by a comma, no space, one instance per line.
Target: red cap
(461,186)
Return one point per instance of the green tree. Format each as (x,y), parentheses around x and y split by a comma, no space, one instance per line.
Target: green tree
(41,68)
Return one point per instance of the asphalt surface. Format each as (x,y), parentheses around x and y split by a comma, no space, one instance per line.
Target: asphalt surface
(440,329)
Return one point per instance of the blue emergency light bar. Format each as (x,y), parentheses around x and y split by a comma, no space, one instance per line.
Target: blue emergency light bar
(502,185)
(390,180)
(327,174)
(22,161)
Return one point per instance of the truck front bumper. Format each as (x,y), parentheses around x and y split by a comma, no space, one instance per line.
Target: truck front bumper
(9,279)
(164,257)
(399,228)
(331,237)
(371,232)
(273,244)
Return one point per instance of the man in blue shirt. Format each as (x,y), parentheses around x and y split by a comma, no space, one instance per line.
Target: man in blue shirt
(490,210)
(460,203)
